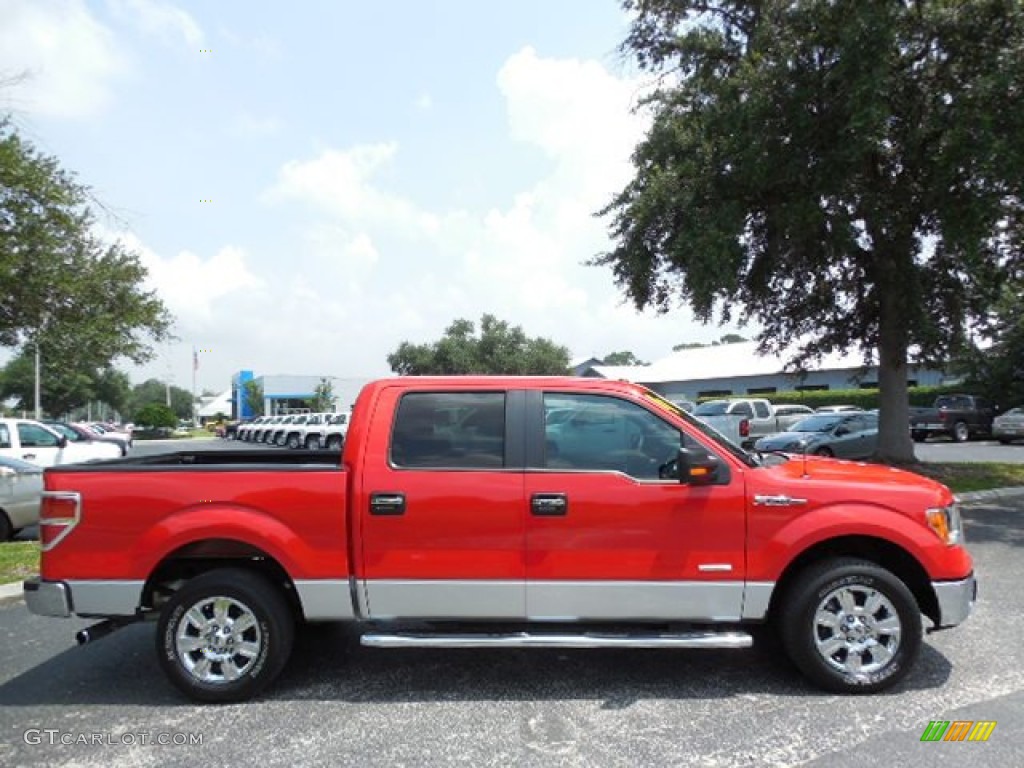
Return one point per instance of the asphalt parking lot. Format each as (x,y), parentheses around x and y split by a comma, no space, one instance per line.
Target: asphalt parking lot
(341,704)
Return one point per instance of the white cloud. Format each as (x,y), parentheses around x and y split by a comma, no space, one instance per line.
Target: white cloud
(341,183)
(162,20)
(250,126)
(70,59)
(523,261)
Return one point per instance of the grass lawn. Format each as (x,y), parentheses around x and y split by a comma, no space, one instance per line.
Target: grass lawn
(965,477)
(18,560)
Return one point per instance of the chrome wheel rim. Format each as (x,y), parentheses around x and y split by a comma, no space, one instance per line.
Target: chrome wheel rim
(218,640)
(961,432)
(857,630)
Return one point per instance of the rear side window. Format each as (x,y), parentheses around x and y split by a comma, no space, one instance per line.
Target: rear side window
(449,430)
(5,436)
(761,410)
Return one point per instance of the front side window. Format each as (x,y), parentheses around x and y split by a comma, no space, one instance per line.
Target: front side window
(596,432)
(450,430)
(5,436)
(34,436)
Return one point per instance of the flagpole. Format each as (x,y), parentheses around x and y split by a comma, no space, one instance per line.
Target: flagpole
(195,367)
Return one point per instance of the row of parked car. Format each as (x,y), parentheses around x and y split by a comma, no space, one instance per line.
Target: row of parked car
(28,446)
(846,431)
(304,430)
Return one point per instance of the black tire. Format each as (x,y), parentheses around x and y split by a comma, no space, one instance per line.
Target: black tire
(335,443)
(919,437)
(1005,440)
(6,529)
(293,441)
(269,638)
(817,587)
(824,451)
(312,442)
(961,432)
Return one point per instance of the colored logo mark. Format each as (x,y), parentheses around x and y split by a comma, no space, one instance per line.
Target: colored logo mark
(958,730)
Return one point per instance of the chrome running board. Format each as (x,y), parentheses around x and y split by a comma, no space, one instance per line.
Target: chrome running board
(540,640)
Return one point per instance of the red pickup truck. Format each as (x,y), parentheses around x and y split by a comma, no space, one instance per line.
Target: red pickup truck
(511,511)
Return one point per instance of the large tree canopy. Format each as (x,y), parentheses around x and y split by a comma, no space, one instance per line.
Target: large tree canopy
(844,174)
(80,299)
(498,349)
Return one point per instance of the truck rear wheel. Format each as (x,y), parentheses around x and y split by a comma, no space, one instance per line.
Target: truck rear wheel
(225,635)
(851,626)
(961,432)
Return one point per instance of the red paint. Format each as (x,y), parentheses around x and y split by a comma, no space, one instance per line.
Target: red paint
(478,525)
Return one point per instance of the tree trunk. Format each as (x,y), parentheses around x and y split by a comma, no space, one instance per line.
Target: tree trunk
(894,443)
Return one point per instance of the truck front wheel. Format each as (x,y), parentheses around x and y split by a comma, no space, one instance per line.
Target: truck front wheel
(851,626)
(225,635)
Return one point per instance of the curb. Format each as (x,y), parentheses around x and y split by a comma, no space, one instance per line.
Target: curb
(9,593)
(991,495)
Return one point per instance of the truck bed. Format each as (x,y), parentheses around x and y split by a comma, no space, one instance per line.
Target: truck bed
(229,460)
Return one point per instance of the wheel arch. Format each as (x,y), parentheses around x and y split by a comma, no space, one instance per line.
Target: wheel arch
(885,554)
(205,555)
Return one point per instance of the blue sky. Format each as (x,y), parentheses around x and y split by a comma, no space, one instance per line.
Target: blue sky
(376,170)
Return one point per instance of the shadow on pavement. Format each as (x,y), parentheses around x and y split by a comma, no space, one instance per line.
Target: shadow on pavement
(328,664)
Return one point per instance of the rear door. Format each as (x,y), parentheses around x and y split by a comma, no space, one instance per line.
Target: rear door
(441,505)
(611,534)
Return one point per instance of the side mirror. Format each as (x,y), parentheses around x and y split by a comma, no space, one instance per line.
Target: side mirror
(62,441)
(697,467)
(841,431)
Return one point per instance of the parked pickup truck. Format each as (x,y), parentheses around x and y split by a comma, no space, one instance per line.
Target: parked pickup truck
(959,416)
(745,420)
(470,512)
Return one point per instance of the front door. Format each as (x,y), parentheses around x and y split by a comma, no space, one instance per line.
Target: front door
(611,535)
(441,507)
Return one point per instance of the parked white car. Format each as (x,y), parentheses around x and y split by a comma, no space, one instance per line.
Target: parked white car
(335,430)
(308,433)
(36,443)
(21,491)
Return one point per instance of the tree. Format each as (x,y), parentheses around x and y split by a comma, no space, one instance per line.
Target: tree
(997,369)
(155,391)
(499,349)
(846,174)
(155,415)
(323,397)
(624,357)
(254,397)
(80,300)
(729,338)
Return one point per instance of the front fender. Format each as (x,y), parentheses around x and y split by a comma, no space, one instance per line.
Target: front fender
(773,548)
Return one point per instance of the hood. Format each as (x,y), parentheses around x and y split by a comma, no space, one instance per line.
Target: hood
(828,481)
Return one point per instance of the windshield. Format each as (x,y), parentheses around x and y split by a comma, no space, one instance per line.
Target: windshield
(714,408)
(65,430)
(822,423)
(700,426)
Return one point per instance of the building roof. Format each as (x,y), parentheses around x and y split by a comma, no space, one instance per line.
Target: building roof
(720,362)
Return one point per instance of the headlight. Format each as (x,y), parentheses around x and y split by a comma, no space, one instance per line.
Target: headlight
(946,523)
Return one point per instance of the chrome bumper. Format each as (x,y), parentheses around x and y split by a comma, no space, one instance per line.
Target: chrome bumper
(956,600)
(47,598)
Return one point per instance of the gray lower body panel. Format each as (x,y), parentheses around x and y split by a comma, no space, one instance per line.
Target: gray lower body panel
(956,600)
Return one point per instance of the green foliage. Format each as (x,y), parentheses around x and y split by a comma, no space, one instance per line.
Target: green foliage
(254,397)
(63,388)
(997,371)
(82,300)
(323,397)
(155,391)
(729,338)
(624,357)
(499,349)
(846,174)
(155,415)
